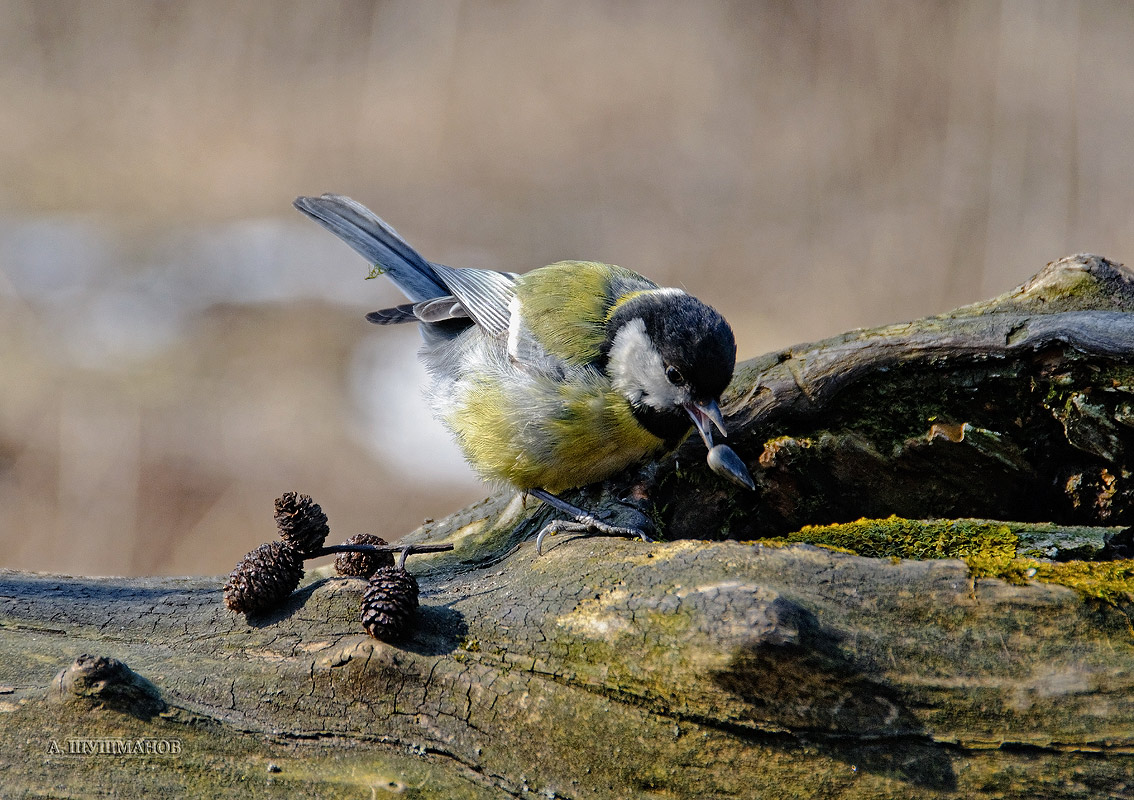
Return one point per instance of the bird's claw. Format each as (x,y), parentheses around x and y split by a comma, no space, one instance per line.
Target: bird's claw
(588,526)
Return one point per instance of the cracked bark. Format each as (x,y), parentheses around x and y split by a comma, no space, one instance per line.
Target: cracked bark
(700,667)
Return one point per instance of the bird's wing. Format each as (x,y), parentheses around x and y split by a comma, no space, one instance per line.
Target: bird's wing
(484,294)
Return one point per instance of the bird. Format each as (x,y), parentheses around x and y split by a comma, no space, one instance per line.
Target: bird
(559,377)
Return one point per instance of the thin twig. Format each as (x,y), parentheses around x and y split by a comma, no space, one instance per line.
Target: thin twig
(387,548)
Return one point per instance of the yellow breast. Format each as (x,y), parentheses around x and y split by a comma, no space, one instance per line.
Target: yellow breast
(550,435)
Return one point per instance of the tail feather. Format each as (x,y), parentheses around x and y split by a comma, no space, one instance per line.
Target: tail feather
(439,309)
(377,242)
(393,316)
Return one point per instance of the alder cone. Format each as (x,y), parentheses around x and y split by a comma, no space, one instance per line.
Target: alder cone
(301,522)
(264,578)
(389,604)
(363,565)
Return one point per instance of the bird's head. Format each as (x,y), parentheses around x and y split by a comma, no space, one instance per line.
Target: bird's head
(671,356)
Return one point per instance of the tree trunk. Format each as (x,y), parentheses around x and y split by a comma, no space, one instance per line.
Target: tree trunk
(901,659)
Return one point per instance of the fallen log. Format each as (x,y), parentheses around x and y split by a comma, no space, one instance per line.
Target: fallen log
(771,646)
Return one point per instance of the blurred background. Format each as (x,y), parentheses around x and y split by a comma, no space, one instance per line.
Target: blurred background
(178,346)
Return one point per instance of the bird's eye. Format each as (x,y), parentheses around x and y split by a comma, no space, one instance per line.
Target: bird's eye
(674,376)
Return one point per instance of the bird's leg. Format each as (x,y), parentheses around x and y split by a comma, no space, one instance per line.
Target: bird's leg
(583,522)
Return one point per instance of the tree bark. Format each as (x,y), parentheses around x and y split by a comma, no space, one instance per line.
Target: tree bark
(708,665)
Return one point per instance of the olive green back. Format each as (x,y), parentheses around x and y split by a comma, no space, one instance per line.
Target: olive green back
(566,305)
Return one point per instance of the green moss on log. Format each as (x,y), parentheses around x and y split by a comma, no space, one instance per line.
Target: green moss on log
(990,549)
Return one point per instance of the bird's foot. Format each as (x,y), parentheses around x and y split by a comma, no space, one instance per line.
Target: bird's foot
(583,522)
(588,526)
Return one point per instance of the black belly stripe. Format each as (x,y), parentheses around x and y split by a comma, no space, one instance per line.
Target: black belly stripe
(668,426)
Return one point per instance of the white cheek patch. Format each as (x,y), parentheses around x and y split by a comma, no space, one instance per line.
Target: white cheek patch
(637,371)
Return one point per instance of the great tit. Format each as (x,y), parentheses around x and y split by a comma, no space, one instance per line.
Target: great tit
(559,377)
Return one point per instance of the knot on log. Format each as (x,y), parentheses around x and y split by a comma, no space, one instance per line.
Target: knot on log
(105,682)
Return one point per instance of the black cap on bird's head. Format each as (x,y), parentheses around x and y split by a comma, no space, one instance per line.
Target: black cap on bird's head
(672,356)
(694,340)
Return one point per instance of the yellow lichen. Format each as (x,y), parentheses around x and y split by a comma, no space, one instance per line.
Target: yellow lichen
(988,548)
(919,539)
(1109,581)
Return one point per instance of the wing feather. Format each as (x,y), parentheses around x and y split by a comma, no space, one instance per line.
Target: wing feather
(484,294)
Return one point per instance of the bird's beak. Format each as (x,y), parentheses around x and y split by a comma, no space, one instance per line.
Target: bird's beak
(704,416)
